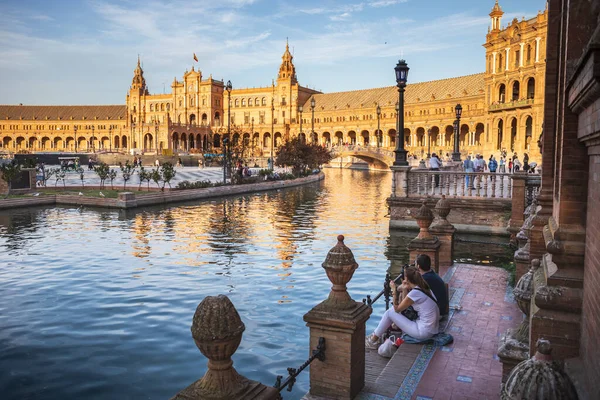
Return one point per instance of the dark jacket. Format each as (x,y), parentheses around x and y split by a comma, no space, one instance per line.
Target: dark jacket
(438,286)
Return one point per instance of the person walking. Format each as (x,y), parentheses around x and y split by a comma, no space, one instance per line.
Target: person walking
(502,166)
(510,166)
(517,165)
(434,165)
(468,167)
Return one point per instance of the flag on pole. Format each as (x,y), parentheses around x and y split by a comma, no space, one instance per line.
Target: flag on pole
(195,58)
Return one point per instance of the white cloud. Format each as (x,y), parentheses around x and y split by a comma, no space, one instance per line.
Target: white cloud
(340,17)
(385,3)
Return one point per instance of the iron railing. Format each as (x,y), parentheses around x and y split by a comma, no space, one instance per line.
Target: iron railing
(318,353)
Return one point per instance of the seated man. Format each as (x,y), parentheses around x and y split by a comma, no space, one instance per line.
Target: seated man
(437,284)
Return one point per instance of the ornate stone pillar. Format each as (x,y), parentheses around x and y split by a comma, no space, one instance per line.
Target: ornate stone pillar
(444,231)
(425,243)
(217,330)
(400,181)
(518,203)
(341,321)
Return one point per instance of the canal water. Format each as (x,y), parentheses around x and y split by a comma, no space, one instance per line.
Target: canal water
(98,304)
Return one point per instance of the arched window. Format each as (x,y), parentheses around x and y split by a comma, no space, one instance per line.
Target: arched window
(515,90)
(249,102)
(237,102)
(151,107)
(500,62)
(528,55)
(531,88)
(501,93)
(264,101)
(162,107)
(257,101)
(168,106)
(243,102)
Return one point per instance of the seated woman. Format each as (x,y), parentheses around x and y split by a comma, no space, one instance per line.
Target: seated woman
(416,293)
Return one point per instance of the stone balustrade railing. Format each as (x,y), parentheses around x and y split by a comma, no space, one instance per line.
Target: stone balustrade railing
(459,184)
(356,147)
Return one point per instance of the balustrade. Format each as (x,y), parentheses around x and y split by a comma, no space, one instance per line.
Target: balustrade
(459,184)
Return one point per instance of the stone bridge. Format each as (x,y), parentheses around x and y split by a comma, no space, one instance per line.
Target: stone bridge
(377,157)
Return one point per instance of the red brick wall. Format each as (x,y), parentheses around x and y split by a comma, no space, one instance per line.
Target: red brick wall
(590,337)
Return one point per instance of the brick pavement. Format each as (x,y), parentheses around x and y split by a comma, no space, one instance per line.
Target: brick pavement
(469,367)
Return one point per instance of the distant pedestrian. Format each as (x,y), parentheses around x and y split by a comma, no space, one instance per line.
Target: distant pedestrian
(510,167)
(502,166)
(434,165)
(468,167)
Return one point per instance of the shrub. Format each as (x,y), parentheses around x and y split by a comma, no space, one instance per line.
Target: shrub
(194,185)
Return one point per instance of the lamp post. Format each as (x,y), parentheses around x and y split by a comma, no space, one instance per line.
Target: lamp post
(93,144)
(428,142)
(300,109)
(272,129)
(110,138)
(156,135)
(132,135)
(378,131)
(228,87)
(456,153)
(312,128)
(401,77)
(252,137)
(75,130)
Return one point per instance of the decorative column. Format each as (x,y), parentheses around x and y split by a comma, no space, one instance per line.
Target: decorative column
(494,63)
(217,330)
(425,243)
(444,231)
(514,345)
(507,57)
(537,49)
(521,55)
(400,180)
(518,203)
(341,321)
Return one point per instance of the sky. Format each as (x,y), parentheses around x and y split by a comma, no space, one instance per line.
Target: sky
(84,51)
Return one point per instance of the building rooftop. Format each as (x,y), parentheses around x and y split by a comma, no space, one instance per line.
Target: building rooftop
(455,88)
(65,113)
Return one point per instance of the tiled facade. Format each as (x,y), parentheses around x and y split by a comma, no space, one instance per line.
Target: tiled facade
(502,109)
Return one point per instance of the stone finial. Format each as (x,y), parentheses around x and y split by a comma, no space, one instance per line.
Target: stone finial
(339,266)
(523,291)
(539,378)
(424,217)
(442,209)
(217,330)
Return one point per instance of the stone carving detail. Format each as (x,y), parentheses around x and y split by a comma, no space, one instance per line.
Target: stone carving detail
(539,378)
(339,266)
(442,209)
(424,217)
(217,331)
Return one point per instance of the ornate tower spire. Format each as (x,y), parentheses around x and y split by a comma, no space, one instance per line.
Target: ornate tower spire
(138,81)
(496,16)
(287,69)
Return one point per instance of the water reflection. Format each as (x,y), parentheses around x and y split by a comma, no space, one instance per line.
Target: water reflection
(98,304)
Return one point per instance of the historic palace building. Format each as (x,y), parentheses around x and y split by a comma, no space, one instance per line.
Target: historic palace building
(502,109)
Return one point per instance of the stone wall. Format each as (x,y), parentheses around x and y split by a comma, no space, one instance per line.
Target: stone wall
(470,212)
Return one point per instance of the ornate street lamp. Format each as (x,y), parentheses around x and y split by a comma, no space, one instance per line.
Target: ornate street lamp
(272,131)
(428,142)
(252,137)
(156,135)
(456,153)
(312,129)
(401,77)
(228,87)
(378,136)
(300,109)
(110,138)
(93,144)
(75,130)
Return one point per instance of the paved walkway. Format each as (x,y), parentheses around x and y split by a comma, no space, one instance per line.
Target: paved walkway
(192,174)
(482,310)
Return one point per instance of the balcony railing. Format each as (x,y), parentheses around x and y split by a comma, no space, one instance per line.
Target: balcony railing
(511,104)
(459,184)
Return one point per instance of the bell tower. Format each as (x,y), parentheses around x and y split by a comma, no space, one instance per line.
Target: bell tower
(136,96)
(496,16)
(287,71)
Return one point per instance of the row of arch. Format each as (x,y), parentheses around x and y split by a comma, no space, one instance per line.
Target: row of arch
(516,93)
(64,143)
(250,102)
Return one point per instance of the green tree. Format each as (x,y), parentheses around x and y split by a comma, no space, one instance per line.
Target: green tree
(299,155)
(144,176)
(81,173)
(168,173)
(9,172)
(112,174)
(103,172)
(126,170)
(156,176)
